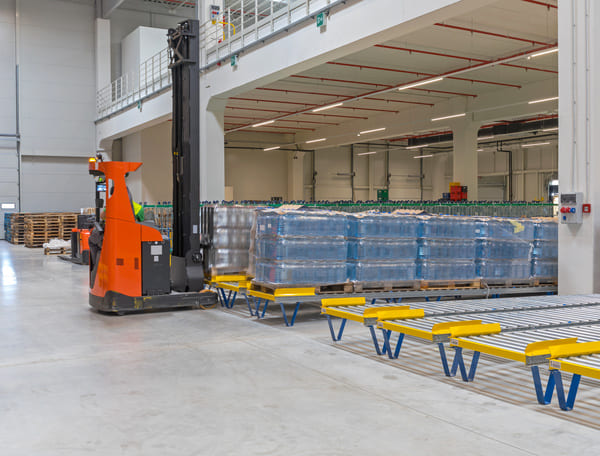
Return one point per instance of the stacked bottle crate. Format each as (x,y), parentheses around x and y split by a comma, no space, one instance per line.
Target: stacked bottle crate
(382,249)
(544,263)
(226,233)
(300,248)
(447,248)
(504,251)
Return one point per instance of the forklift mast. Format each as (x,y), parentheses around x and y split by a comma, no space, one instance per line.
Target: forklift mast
(187,272)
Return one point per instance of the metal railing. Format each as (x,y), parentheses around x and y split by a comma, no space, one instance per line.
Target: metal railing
(240,24)
(152,76)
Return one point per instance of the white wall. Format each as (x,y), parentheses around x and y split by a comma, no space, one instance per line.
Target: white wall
(139,46)
(56,184)
(157,169)
(57,88)
(123,22)
(255,174)
(56,103)
(533,167)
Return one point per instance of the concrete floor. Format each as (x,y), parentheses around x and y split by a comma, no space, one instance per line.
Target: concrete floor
(74,382)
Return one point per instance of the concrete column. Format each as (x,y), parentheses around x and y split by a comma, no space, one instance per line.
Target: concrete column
(102,38)
(579,141)
(438,176)
(295,176)
(465,168)
(212,149)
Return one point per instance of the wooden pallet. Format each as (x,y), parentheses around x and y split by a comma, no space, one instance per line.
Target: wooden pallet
(541,281)
(506,283)
(450,284)
(269,288)
(57,251)
(399,285)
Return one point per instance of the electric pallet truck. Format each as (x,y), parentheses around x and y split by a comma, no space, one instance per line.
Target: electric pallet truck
(131,268)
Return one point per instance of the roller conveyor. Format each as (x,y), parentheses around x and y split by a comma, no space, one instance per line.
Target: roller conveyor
(357,312)
(441,328)
(579,359)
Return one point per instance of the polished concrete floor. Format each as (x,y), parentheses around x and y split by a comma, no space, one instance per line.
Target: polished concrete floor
(209,382)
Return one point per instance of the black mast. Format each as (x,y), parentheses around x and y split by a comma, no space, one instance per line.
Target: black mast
(186,264)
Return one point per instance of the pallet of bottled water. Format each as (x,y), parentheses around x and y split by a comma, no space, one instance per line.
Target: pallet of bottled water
(300,248)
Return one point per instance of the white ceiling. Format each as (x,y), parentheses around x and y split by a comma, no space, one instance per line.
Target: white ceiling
(505,29)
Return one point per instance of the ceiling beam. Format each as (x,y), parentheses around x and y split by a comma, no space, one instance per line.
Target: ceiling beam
(491,106)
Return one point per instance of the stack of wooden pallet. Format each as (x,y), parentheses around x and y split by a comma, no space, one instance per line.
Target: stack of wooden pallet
(14,227)
(41,228)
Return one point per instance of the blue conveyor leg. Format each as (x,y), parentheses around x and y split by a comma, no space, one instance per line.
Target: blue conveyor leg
(375,341)
(334,337)
(545,398)
(567,403)
(252,314)
(285,319)
(387,346)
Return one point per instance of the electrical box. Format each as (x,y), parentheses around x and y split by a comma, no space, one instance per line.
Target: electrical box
(571,207)
(215,10)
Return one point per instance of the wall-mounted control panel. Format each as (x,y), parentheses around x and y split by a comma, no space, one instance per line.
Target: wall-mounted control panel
(571,208)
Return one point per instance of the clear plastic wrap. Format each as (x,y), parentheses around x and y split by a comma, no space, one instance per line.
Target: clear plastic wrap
(504,269)
(300,223)
(544,269)
(503,249)
(545,250)
(382,271)
(458,249)
(301,248)
(301,272)
(382,249)
(383,226)
(446,269)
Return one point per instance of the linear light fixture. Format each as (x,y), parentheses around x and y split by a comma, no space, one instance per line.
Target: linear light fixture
(263,123)
(416,147)
(423,156)
(483,138)
(272,148)
(367,153)
(479,150)
(535,144)
(539,54)
(543,100)
(316,140)
(323,108)
(550,129)
(453,116)
(371,131)
(417,84)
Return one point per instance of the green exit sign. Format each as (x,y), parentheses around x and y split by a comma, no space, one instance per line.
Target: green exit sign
(321,19)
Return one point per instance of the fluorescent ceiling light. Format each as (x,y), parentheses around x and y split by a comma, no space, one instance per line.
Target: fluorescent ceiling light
(263,123)
(417,84)
(316,140)
(535,144)
(549,51)
(482,138)
(453,116)
(550,129)
(543,100)
(371,131)
(272,148)
(327,107)
(479,150)
(423,156)
(416,147)
(367,153)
